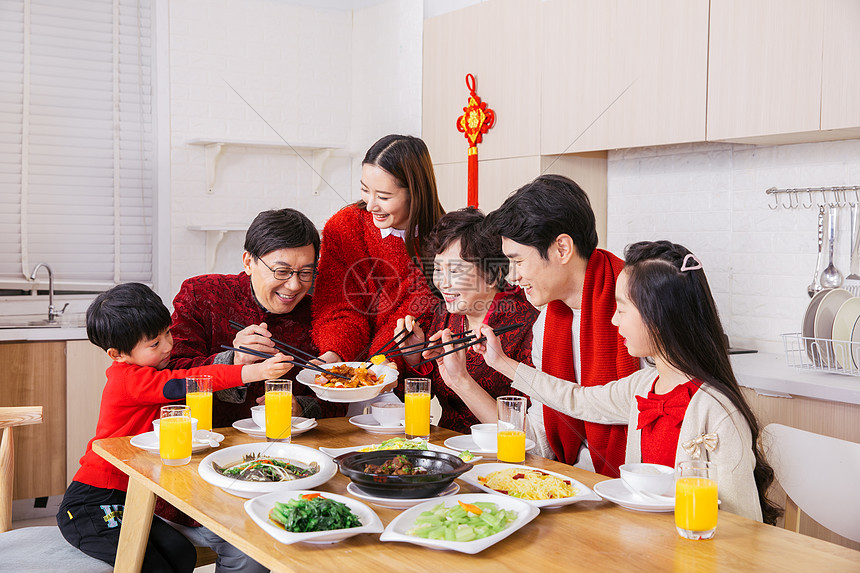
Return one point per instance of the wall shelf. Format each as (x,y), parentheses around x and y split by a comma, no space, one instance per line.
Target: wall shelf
(214,235)
(213,147)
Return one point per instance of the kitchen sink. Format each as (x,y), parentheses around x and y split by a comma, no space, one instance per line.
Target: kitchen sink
(38,321)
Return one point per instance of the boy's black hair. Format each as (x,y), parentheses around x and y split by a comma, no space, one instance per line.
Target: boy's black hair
(281,229)
(537,213)
(124,315)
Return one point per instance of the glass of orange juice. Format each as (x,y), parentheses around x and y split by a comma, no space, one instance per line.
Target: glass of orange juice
(279,410)
(417,399)
(174,436)
(198,397)
(511,429)
(696,499)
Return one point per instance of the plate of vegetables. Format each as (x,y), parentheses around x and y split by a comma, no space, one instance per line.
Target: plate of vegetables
(468,523)
(311,516)
(248,470)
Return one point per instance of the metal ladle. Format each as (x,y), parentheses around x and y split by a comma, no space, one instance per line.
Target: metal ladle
(814,287)
(830,276)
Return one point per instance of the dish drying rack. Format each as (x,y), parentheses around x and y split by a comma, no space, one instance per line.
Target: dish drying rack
(822,354)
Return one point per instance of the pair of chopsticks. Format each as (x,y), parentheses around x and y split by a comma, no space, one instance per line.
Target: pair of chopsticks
(297,362)
(391,344)
(282,346)
(462,337)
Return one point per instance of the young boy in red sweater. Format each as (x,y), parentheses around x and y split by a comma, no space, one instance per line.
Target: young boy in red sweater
(133,326)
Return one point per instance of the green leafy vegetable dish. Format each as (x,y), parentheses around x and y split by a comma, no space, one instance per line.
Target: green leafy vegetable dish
(313,512)
(261,468)
(397,444)
(462,522)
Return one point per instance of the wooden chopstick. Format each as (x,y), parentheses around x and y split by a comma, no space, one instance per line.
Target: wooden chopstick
(265,356)
(283,345)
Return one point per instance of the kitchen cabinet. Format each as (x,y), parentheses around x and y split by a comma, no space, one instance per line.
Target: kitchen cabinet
(764,69)
(499,43)
(840,77)
(622,74)
(35,375)
(85,379)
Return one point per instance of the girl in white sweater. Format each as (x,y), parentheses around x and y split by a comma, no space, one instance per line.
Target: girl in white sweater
(688,405)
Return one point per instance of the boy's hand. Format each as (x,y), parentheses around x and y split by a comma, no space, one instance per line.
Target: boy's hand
(327,358)
(269,369)
(408,322)
(256,337)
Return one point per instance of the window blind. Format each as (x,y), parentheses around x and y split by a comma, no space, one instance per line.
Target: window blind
(76,145)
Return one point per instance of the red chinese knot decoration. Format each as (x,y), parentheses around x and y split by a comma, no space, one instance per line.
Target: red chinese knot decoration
(476,120)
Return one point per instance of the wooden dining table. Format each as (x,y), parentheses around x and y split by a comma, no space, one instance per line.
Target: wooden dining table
(588,535)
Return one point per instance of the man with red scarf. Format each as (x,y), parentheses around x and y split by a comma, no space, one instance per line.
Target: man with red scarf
(548,232)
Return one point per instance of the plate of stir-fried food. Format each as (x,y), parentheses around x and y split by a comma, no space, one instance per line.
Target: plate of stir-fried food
(349,381)
(248,470)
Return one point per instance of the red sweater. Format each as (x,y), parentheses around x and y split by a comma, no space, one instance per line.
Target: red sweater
(131,400)
(365,283)
(202,312)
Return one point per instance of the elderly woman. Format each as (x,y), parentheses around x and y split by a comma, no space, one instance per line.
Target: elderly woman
(469,270)
(270,298)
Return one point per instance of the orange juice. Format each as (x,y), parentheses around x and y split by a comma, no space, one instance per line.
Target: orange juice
(418,414)
(695,504)
(512,446)
(279,415)
(201,408)
(174,442)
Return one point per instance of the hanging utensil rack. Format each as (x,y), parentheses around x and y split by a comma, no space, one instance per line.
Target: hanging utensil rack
(809,197)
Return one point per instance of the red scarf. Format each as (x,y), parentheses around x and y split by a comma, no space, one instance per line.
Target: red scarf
(603,358)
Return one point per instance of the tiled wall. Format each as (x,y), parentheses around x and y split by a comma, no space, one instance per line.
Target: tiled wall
(331,77)
(711,198)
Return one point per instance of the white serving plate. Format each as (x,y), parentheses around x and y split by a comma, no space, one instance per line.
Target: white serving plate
(292,452)
(823,327)
(396,530)
(258,508)
(584,493)
(369,424)
(335,452)
(248,426)
(347,395)
(613,490)
(394,503)
(843,325)
(149,441)
(465,442)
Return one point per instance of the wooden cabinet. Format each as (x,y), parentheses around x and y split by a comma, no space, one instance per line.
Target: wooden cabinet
(764,68)
(622,74)
(35,375)
(85,379)
(840,76)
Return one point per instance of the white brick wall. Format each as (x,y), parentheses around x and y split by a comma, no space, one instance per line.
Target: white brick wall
(317,76)
(711,198)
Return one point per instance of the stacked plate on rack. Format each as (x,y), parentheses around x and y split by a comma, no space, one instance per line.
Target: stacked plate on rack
(831,330)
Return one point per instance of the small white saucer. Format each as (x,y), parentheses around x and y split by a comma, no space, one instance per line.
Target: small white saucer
(149,441)
(466,442)
(369,424)
(613,490)
(397,503)
(248,426)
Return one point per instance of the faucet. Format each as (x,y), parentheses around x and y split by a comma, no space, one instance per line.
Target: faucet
(53,313)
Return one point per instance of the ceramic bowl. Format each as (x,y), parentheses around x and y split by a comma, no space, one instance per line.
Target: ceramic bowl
(650,478)
(485,436)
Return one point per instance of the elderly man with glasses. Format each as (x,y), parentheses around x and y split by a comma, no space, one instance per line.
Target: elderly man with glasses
(269,300)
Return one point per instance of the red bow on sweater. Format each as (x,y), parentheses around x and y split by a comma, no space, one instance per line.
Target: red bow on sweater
(652,408)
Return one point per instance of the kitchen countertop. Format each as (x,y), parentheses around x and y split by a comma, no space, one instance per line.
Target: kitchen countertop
(42,334)
(769,375)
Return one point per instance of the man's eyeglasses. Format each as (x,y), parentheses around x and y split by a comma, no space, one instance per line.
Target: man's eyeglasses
(286,273)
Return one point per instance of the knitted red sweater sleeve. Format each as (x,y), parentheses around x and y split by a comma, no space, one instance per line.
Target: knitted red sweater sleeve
(337,324)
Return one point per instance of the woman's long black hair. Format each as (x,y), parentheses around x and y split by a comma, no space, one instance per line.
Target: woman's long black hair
(682,320)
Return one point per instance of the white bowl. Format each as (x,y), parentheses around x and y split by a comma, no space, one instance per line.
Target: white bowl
(258,414)
(485,436)
(292,452)
(157,423)
(649,478)
(308,377)
(258,508)
(388,414)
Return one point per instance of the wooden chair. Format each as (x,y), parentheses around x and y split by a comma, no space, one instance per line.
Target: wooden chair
(819,475)
(32,548)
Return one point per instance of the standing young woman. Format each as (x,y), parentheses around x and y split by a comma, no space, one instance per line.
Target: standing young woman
(370,273)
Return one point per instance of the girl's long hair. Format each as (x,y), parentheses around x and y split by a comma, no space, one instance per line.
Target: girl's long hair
(682,320)
(407,159)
